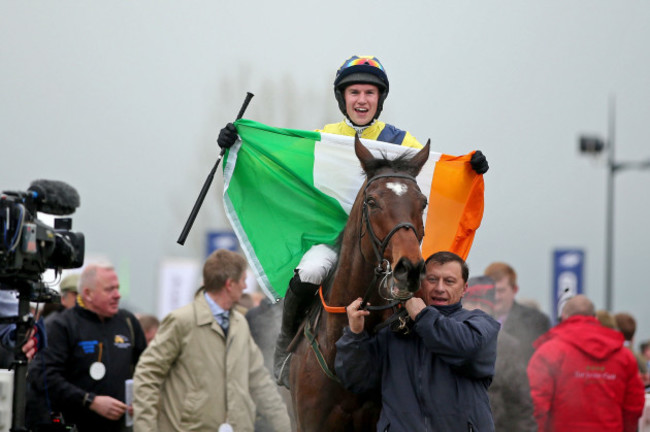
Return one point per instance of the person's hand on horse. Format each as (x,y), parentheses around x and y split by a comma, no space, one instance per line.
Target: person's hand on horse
(479,162)
(414,306)
(227,136)
(356,316)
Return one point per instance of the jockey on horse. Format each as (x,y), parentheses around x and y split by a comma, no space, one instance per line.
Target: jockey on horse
(360,87)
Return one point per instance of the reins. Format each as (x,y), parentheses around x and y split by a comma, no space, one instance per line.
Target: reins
(341,309)
(330,309)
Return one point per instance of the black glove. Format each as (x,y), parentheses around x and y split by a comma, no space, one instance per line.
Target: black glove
(227,136)
(478,161)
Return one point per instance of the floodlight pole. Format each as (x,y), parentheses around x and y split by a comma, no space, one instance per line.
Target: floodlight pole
(609,207)
(595,145)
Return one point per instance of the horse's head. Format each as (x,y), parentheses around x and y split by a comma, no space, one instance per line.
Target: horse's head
(392,226)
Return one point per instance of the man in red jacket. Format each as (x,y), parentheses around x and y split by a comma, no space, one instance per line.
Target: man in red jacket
(581,376)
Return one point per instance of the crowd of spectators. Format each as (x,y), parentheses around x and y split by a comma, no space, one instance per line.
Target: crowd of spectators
(543,377)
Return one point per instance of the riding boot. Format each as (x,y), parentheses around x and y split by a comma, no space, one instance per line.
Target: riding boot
(296,301)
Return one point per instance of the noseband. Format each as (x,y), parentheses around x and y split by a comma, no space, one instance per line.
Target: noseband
(379,246)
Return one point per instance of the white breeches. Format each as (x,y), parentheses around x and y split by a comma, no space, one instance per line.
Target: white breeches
(316,263)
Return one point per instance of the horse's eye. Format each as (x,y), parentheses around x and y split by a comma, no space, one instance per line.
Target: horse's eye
(425,203)
(371,202)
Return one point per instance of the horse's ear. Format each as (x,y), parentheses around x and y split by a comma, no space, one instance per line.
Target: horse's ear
(421,157)
(362,152)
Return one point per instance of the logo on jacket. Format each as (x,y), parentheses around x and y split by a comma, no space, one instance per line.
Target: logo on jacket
(594,373)
(121,341)
(88,346)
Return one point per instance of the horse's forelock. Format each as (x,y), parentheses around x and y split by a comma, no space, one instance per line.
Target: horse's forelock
(402,163)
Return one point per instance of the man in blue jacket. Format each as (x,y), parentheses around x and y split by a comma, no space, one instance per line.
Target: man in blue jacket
(435,378)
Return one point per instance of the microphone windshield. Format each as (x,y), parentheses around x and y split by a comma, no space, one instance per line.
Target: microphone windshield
(55,197)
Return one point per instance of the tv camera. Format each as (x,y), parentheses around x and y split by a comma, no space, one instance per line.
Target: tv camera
(28,248)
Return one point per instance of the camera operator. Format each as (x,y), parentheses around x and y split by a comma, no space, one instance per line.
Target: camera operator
(93,349)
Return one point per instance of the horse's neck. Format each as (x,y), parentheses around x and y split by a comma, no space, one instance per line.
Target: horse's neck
(353,275)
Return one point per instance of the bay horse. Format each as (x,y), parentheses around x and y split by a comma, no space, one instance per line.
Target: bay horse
(382,237)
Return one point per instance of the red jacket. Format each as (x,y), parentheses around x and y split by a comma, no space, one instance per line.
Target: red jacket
(582,378)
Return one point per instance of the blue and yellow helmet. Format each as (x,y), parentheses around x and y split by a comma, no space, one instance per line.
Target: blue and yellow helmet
(361,70)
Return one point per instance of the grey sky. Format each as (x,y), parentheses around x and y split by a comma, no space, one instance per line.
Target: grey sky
(123,100)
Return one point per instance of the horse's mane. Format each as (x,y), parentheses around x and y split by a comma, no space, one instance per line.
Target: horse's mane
(402,163)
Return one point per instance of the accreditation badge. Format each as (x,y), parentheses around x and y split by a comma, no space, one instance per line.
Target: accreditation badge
(97,370)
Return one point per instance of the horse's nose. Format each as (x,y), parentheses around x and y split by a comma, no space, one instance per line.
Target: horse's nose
(409,274)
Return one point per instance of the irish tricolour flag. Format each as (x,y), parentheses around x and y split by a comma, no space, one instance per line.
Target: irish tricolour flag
(287,190)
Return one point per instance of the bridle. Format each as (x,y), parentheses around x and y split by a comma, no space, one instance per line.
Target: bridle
(383,271)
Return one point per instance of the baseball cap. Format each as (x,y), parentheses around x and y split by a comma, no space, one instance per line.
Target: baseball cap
(69,283)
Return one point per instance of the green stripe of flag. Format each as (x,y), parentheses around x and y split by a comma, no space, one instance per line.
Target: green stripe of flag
(272,203)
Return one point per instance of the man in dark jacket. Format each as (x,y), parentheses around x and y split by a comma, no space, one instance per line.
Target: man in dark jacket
(92,350)
(582,378)
(435,378)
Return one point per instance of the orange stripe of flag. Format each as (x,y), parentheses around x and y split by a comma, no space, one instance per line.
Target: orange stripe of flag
(455,207)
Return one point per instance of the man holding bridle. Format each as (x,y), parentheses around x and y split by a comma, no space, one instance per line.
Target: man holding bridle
(435,377)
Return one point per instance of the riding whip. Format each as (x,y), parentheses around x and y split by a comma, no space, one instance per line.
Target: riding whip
(208,181)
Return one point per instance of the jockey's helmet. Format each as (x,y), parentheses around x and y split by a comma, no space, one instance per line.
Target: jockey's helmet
(361,70)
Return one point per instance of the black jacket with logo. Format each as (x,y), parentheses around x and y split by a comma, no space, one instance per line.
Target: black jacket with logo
(77,338)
